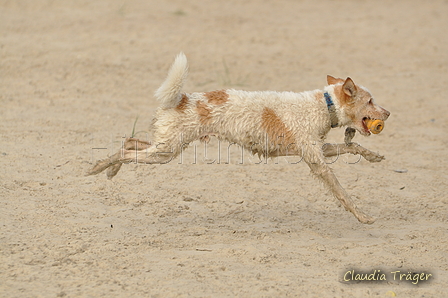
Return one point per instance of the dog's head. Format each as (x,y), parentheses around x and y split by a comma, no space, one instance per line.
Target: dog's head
(357,104)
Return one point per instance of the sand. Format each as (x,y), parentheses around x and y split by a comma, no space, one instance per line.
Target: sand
(75,75)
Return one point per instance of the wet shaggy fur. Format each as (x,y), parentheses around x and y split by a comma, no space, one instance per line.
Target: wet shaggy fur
(267,123)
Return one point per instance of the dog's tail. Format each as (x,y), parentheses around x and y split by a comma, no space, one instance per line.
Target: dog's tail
(169,94)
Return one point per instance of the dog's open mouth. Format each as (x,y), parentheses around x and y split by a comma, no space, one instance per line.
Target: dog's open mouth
(370,125)
(364,125)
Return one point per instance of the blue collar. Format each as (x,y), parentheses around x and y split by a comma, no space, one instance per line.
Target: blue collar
(331,109)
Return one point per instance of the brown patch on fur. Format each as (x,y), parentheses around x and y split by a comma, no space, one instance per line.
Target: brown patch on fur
(358,106)
(344,99)
(342,92)
(136,144)
(183,103)
(333,81)
(203,112)
(277,131)
(217,97)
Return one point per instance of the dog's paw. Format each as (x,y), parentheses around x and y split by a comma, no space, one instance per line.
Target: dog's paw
(100,166)
(373,157)
(365,219)
(113,170)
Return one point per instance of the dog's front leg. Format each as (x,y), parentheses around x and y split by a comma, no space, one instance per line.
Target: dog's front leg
(330,150)
(324,173)
(349,135)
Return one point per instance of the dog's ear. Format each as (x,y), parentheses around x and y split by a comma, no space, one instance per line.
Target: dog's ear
(332,80)
(349,88)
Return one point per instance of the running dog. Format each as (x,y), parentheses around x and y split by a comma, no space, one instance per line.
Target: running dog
(267,123)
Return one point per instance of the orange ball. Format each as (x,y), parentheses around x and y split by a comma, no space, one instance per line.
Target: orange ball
(375,126)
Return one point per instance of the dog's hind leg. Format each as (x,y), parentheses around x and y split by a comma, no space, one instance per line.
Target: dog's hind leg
(134,150)
(107,163)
